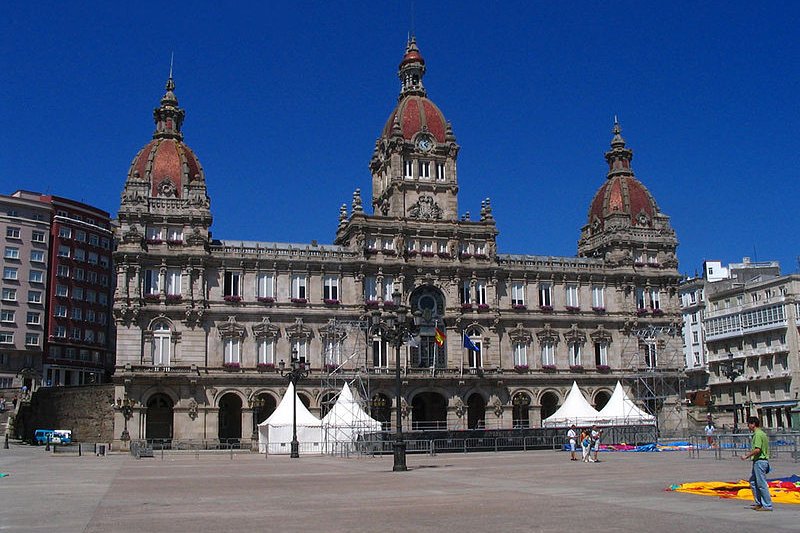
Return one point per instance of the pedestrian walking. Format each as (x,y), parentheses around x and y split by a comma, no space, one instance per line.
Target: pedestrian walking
(596,435)
(586,446)
(572,435)
(710,433)
(759,453)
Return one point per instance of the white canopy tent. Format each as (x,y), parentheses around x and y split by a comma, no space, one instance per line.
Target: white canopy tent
(346,421)
(575,410)
(275,433)
(620,410)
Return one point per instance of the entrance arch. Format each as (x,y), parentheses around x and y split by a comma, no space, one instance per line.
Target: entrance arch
(158,424)
(549,403)
(520,410)
(601,399)
(429,411)
(326,403)
(263,406)
(230,417)
(476,412)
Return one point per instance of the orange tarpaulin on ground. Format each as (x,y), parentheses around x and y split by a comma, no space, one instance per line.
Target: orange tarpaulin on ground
(782,490)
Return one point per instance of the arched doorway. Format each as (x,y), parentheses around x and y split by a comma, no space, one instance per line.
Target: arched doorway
(601,399)
(263,406)
(429,411)
(230,417)
(476,412)
(158,424)
(520,410)
(549,403)
(382,410)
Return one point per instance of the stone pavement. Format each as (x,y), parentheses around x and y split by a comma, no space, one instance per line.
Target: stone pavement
(510,491)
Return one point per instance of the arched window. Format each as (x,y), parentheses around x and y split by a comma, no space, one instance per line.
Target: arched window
(162,345)
(474,357)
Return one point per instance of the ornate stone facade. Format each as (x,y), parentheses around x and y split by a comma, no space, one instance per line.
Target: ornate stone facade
(202,324)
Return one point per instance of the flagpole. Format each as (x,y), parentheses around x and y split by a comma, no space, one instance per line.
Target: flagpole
(461,366)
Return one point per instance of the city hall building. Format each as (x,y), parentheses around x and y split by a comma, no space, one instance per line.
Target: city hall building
(203,324)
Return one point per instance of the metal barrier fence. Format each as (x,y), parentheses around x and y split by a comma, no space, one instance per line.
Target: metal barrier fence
(782,446)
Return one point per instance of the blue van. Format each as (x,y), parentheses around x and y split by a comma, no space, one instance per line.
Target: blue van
(42,436)
(55,436)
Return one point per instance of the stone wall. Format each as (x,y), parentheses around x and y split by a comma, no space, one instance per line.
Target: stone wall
(85,410)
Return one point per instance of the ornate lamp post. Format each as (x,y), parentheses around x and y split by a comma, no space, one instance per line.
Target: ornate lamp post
(396,327)
(732,370)
(297,370)
(126,408)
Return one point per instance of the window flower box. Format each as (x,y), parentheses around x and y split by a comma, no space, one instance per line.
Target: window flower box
(231,299)
(388,252)
(481,256)
(388,304)
(265,367)
(576,368)
(573,309)
(266,299)
(330,368)
(299,301)
(518,307)
(175,242)
(411,253)
(603,369)
(152,297)
(658,312)
(549,369)
(465,255)
(174,298)
(522,369)
(444,255)
(427,254)
(483,307)
(331,301)
(599,309)
(546,308)
(154,241)
(231,366)
(639,263)
(466,307)
(641,311)
(371,304)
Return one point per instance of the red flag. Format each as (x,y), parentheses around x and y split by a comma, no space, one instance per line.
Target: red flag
(439,337)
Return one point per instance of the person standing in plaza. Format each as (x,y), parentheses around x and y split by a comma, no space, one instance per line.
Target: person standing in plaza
(759,453)
(586,446)
(596,435)
(572,435)
(710,433)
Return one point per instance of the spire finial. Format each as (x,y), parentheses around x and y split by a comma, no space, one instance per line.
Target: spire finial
(412,69)
(168,116)
(619,157)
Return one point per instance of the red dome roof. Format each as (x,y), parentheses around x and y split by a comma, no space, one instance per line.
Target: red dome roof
(623,194)
(168,164)
(417,113)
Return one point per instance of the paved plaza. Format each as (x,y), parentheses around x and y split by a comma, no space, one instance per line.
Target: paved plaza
(511,491)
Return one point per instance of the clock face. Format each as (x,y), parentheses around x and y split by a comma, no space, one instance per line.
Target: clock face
(424,144)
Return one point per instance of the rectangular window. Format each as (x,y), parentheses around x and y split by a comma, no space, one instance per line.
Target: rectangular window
(91,276)
(370,289)
(64,232)
(37,256)
(695,337)
(90,315)
(12,233)
(332,352)
(10,273)
(62,290)
(60,332)
(266,351)
(388,288)
(301,347)
(175,233)
(427,246)
(598,297)
(79,274)
(231,345)
(63,251)
(92,258)
(650,355)
(572,296)
(299,287)
(520,354)
(94,240)
(466,297)
(88,335)
(601,353)
(654,300)
(545,295)
(102,298)
(38,236)
(34,297)
(77,313)
(80,235)
(12,252)
(265,285)
(9,295)
(60,311)
(480,293)
(517,293)
(36,276)
(154,234)
(408,169)
(330,288)
(33,319)
(232,284)
(440,172)
(79,254)
(548,354)
(103,261)
(151,282)
(425,170)
(104,243)
(77,293)
(6,315)
(640,301)
(575,354)
(162,349)
(380,353)
(6,337)
(173,282)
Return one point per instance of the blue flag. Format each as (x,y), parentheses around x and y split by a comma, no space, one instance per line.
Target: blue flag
(469,345)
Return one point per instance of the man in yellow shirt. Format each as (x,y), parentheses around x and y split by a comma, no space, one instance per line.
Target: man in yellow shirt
(759,452)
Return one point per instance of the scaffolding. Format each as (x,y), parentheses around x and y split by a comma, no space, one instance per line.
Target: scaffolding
(655,373)
(345,362)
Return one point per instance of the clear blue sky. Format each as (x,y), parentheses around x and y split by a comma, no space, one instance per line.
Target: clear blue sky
(284,102)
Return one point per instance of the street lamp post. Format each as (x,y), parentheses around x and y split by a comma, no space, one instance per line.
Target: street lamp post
(732,370)
(297,370)
(396,327)
(126,408)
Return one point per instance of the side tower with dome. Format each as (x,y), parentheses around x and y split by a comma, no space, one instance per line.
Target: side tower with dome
(202,324)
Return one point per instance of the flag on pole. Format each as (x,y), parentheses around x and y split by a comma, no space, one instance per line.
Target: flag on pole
(439,337)
(412,341)
(469,345)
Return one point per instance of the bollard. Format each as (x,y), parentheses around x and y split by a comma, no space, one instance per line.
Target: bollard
(47,446)
(5,445)
(79,449)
